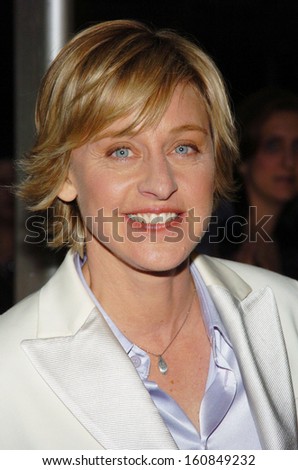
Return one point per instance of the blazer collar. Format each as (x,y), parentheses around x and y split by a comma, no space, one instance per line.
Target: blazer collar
(215,272)
(252,322)
(82,362)
(66,313)
(64,304)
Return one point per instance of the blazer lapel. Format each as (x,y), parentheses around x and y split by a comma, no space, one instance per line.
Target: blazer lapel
(253,325)
(85,366)
(82,362)
(93,377)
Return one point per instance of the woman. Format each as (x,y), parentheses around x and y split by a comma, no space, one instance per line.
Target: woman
(269,150)
(133,344)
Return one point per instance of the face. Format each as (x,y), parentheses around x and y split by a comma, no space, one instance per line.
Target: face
(144,196)
(270,174)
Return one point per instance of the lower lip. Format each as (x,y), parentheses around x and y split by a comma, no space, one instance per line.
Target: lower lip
(139,226)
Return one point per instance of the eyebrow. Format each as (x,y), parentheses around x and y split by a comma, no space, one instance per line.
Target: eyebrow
(189,127)
(174,130)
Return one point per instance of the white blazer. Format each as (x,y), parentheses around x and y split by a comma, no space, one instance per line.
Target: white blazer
(64,387)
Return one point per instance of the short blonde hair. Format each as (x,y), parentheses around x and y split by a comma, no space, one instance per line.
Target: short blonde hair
(104,73)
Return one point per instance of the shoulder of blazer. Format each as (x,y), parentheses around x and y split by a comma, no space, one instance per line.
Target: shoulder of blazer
(285,289)
(19,321)
(59,308)
(241,279)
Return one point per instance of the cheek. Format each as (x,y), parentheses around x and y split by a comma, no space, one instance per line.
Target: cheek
(199,192)
(203,183)
(99,192)
(262,165)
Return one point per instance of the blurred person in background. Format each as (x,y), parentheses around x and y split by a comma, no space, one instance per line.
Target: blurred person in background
(268,138)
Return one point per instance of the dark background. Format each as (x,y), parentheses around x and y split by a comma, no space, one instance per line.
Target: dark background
(254,42)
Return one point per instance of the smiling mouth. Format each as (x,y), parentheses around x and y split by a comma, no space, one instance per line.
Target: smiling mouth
(162,218)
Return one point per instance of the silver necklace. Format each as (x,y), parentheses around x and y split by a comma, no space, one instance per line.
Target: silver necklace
(162,365)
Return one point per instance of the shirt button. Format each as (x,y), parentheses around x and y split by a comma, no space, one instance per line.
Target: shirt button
(136,360)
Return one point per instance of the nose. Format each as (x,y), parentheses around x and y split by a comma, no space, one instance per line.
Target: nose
(158,179)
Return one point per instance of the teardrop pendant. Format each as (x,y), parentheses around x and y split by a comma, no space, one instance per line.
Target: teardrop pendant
(162,365)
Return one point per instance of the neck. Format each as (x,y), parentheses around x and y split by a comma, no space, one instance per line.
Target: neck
(141,304)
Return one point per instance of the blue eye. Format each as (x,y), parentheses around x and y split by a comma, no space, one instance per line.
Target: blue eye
(182,149)
(186,149)
(122,152)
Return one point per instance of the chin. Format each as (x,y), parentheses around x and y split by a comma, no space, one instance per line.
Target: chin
(161,259)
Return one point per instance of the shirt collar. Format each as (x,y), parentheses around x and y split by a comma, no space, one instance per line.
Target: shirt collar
(211,317)
(210,314)
(125,342)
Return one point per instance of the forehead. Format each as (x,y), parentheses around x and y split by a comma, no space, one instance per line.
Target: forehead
(281,122)
(185,110)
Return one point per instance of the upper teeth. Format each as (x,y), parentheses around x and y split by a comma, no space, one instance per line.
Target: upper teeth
(152,218)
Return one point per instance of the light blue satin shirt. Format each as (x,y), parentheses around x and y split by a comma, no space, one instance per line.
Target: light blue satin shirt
(225,418)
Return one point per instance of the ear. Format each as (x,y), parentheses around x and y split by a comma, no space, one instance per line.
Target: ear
(68,191)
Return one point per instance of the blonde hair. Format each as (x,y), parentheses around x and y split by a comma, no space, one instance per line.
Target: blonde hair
(101,75)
